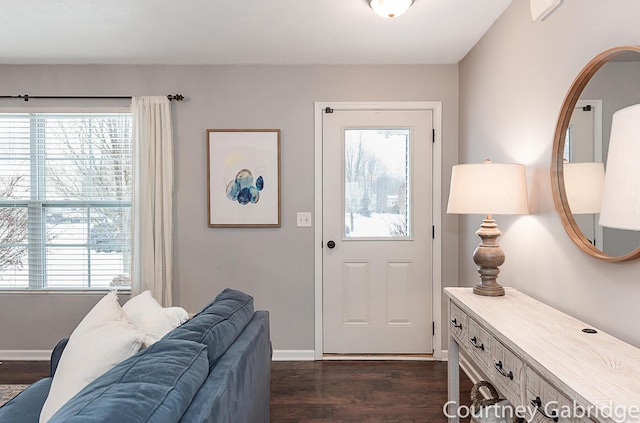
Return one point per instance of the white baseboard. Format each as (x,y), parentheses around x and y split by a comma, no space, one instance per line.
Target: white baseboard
(293,355)
(278,355)
(25,355)
(309,355)
(354,357)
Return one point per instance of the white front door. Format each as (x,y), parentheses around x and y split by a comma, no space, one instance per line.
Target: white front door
(377,232)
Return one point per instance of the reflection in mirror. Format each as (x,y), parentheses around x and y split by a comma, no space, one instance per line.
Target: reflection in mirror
(583,161)
(583,183)
(610,82)
(621,193)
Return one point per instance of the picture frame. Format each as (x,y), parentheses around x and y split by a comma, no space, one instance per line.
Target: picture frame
(243,178)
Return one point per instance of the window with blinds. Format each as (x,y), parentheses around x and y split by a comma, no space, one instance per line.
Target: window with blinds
(65,200)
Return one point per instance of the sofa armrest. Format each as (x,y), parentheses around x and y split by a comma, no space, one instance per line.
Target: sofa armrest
(55,356)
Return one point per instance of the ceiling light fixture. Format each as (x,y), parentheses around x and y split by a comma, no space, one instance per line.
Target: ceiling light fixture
(389,8)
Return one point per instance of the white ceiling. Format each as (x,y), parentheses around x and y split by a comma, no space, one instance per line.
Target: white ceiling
(240,31)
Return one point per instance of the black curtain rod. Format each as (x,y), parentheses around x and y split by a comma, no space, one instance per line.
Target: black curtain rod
(27,97)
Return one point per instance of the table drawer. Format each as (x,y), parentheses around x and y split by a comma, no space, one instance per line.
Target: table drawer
(507,371)
(478,342)
(457,323)
(547,404)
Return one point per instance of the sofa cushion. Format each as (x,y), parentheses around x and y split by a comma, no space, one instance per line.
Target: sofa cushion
(237,389)
(155,385)
(218,324)
(26,406)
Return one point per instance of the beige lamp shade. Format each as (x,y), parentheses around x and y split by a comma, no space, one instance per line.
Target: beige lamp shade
(583,184)
(621,193)
(488,188)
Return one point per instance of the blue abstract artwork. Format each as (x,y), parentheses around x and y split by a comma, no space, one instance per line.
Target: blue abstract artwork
(244,178)
(242,188)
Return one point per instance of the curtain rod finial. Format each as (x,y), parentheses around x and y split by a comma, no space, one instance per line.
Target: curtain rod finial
(176,97)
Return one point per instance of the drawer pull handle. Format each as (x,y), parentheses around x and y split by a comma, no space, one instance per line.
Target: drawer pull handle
(537,403)
(455,324)
(498,366)
(474,342)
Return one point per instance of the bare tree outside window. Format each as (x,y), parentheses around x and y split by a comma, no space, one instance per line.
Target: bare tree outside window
(92,163)
(376,175)
(72,181)
(13,227)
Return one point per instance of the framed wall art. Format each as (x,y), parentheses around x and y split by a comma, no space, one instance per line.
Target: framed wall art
(244,178)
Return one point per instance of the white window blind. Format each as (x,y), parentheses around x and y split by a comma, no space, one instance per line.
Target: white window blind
(65,200)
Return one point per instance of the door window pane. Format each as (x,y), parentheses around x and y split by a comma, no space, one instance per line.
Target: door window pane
(376,183)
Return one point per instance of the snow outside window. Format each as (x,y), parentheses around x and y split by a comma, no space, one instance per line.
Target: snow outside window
(65,200)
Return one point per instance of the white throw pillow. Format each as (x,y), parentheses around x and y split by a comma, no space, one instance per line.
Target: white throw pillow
(104,338)
(150,317)
(140,305)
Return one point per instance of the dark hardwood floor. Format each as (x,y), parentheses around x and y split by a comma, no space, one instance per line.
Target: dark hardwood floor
(333,391)
(361,391)
(23,372)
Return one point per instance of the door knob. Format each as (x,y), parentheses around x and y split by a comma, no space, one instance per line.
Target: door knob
(331,244)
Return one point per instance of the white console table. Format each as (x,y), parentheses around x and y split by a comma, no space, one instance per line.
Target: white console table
(536,355)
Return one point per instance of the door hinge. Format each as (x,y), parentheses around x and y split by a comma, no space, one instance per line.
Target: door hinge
(587,108)
(433,136)
(433,328)
(328,110)
(433,232)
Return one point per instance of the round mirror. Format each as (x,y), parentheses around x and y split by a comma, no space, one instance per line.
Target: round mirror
(608,83)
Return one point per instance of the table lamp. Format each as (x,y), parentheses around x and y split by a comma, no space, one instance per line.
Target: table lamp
(489,188)
(621,192)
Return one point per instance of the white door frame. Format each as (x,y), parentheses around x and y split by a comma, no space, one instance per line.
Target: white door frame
(436,109)
(597,150)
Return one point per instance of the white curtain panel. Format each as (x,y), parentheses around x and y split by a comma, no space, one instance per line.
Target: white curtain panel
(152,197)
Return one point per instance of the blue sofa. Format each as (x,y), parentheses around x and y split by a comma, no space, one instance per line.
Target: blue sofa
(214,368)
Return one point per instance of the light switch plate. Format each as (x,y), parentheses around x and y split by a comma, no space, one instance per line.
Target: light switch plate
(303,219)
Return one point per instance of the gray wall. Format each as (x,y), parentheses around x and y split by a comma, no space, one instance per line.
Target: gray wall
(512,85)
(280,271)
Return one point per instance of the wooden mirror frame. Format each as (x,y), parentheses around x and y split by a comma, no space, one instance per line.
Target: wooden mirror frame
(557,176)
